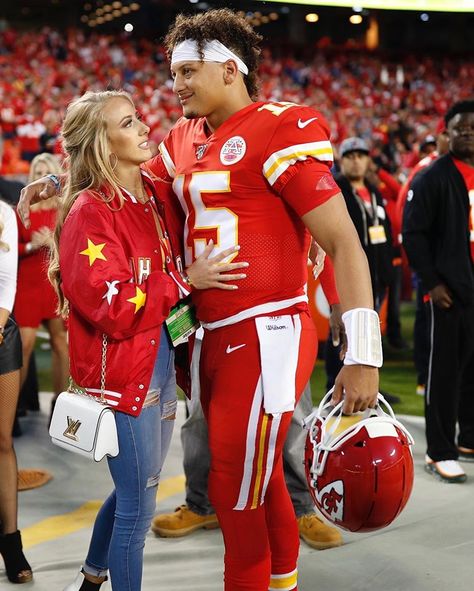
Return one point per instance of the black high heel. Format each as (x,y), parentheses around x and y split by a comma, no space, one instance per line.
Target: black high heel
(16,565)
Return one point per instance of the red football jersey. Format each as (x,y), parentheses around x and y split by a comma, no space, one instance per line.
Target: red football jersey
(230,185)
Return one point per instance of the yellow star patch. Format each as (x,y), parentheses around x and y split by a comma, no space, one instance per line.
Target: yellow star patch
(139,299)
(93,251)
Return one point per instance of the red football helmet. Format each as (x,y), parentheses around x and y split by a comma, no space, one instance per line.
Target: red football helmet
(360,479)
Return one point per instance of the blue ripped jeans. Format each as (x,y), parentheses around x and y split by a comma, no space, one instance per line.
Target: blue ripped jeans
(123,521)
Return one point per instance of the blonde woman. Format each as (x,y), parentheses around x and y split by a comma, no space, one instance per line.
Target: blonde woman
(36,302)
(115,268)
(17,567)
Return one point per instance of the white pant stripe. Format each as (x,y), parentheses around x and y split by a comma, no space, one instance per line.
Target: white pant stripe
(250,447)
(428,381)
(271,453)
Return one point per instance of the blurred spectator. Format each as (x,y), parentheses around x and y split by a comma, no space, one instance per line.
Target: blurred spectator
(359,92)
(421,345)
(365,206)
(49,140)
(9,190)
(16,565)
(389,188)
(36,301)
(10,193)
(438,236)
(427,146)
(28,132)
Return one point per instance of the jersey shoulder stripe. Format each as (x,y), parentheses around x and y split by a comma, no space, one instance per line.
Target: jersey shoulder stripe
(276,164)
(167,160)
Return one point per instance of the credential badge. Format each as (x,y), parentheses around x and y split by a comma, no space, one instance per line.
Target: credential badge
(233,150)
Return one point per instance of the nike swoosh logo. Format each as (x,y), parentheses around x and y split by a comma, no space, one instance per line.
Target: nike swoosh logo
(232,349)
(303,124)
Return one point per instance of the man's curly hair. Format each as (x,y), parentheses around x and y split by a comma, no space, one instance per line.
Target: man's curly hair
(225,26)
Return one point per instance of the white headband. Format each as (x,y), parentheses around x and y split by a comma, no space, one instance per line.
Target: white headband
(214,51)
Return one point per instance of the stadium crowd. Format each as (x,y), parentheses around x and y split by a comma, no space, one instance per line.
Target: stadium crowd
(392,104)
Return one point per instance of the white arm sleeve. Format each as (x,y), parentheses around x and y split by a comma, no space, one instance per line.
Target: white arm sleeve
(8,259)
(364,341)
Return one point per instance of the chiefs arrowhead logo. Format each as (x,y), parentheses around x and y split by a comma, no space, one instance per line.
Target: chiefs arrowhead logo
(331,500)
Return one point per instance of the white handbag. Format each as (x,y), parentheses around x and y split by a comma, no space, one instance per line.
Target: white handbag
(84,424)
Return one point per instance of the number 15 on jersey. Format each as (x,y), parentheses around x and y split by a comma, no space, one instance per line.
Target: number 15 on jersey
(203,221)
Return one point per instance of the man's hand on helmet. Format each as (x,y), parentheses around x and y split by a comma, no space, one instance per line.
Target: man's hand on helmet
(358,385)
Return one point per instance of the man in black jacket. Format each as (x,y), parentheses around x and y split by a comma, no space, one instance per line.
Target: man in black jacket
(438,236)
(365,206)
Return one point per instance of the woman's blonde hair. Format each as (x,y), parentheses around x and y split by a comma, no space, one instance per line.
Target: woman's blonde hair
(50,160)
(88,164)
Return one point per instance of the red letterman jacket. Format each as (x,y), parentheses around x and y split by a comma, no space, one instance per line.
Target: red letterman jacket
(112,272)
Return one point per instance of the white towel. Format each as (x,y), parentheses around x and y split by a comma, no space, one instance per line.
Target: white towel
(279,338)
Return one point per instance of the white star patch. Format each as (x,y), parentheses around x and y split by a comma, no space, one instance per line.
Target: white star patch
(111,291)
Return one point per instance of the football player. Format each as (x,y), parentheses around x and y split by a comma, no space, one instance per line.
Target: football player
(257,174)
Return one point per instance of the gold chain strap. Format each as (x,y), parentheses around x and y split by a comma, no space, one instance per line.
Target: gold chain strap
(103,368)
(75,389)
